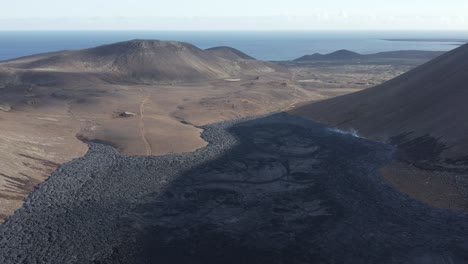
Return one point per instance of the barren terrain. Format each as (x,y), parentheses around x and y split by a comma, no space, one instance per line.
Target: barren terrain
(274,189)
(172,184)
(145,98)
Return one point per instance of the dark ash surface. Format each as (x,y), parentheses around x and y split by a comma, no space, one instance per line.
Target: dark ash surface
(277,189)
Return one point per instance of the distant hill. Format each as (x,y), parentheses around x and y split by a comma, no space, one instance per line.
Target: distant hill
(148,61)
(337,55)
(229,53)
(425,107)
(350,55)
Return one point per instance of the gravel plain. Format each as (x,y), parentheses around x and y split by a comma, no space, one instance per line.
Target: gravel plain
(273,189)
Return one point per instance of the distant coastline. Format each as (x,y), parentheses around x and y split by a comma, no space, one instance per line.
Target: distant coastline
(271,46)
(427,40)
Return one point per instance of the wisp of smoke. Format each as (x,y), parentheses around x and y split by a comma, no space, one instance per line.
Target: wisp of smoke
(353,132)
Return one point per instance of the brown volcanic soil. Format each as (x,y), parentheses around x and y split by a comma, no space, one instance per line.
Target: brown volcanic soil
(143,61)
(50,101)
(423,112)
(229,53)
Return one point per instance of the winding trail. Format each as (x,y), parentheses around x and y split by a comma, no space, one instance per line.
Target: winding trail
(142,129)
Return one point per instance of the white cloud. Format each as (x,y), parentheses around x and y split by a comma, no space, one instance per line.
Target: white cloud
(316,20)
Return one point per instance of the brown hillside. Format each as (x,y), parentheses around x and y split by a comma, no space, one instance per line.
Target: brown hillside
(430,100)
(145,61)
(229,53)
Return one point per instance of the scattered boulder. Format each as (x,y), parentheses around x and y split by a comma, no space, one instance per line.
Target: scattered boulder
(127,114)
(5,107)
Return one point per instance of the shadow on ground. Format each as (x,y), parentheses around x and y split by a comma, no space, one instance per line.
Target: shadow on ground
(277,189)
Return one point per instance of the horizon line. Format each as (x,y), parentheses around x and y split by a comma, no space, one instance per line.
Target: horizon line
(243,30)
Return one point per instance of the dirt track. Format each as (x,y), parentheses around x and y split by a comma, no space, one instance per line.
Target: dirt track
(141,127)
(277,189)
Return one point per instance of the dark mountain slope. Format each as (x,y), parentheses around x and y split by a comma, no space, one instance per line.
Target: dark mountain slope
(350,55)
(430,101)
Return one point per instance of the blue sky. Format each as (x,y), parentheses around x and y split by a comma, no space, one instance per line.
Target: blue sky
(235,15)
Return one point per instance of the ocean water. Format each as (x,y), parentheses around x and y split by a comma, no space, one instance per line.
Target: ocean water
(261,45)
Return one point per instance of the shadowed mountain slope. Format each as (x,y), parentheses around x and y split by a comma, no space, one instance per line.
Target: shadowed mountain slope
(427,104)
